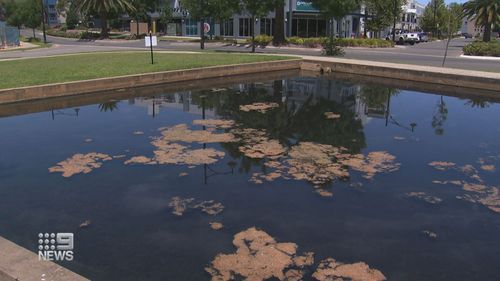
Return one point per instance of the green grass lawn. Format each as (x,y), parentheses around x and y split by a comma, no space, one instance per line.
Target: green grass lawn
(37,71)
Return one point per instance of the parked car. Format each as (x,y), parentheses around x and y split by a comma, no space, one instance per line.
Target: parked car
(403,38)
(423,37)
(467,35)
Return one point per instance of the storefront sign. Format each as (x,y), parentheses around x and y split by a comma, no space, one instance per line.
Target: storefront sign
(305,6)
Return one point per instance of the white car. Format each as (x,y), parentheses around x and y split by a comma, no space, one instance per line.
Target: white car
(403,38)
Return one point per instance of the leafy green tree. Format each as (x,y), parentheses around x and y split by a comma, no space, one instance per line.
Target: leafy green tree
(380,14)
(13,13)
(104,8)
(455,12)
(336,9)
(2,10)
(435,18)
(165,17)
(202,10)
(486,13)
(258,9)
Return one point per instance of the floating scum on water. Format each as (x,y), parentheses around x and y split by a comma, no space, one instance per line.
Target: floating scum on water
(316,163)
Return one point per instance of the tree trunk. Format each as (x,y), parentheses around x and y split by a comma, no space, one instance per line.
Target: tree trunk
(279,28)
(34,34)
(487,31)
(202,34)
(253,34)
(104,24)
(137,26)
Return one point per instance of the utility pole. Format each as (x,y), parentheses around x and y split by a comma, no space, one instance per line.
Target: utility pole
(43,22)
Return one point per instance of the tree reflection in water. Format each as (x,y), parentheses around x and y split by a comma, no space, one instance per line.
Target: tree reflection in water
(301,115)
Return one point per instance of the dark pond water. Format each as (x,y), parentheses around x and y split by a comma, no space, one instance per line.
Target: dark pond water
(374,219)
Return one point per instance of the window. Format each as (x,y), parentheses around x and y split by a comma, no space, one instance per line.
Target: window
(267,26)
(321,28)
(246,27)
(227,28)
(191,27)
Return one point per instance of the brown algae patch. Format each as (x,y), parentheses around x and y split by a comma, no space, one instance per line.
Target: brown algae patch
(256,144)
(478,191)
(139,160)
(331,115)
(331,270)
(173,153)
(216,225)
(259,107)
(215,123)
(489,168)
(80,163)
(180,205)
(259,257)
(181,133)
(318,163)
(425,197)
(442,166)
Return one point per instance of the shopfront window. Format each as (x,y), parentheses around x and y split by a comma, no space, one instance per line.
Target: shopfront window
(227,28)
(246,27)
(267,26)
(191,27)
(308,27)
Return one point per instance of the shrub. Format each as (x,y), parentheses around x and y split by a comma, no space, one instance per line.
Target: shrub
(261,40)
(330,48)
(87,35)
(295,40)
(483,49)
(60,33)
(360,42)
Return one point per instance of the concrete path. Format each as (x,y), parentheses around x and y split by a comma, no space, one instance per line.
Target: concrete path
(19,264)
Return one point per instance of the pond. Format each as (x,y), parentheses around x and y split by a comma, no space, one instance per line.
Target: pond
(289,177)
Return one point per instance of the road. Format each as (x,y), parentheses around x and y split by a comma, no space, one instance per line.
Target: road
(430,54)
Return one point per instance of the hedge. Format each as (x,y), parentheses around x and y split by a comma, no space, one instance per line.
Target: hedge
(316,42)
(478,48)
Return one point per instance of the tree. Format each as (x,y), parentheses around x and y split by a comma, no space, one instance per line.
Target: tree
(30,12)
(3,10)
(379,14)
(13,13)
(336,9)
(279,27)
(486,13)
(104,8)
(435,17)
(258,9)
(456,15)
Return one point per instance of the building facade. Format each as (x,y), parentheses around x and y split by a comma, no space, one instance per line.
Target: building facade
(51,12)
(301,19)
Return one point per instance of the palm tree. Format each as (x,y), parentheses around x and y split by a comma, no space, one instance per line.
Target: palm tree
(485,12)
(103,8)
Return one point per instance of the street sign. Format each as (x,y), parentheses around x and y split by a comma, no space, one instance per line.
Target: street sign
(148,40)
(206,27)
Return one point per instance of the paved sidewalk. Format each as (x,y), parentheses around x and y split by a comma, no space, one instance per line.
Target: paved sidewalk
(19,264)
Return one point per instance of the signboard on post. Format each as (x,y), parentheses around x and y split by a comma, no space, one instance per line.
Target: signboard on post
(206,27)
(150,39)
